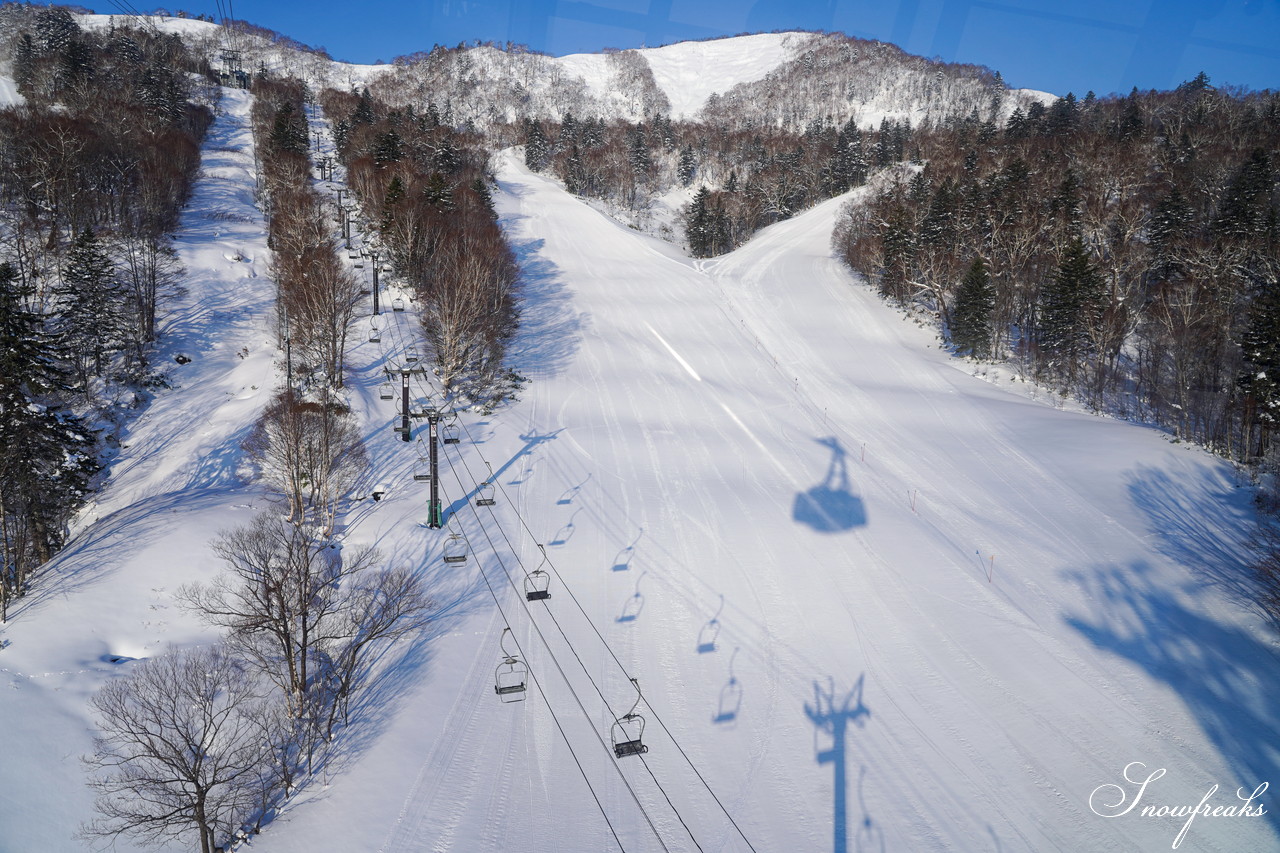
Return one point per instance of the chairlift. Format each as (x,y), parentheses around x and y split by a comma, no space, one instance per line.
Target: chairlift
(455,549)
(386,268)
(386,391)
(375,334)
(397,304)
(422,470)
(537,584)
(628,731)
(484,491)
(411,354)
(509,681)
(449,432)
(353,254)
(359,263)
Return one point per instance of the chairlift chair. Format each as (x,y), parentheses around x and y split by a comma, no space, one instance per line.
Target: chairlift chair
(455,549)
(375,334)
(511,677)
(397,304)
(537,583)
(449,434)
(411,354)
(359,263)
(484,493)
(422,470)
(386,391)
(628,731)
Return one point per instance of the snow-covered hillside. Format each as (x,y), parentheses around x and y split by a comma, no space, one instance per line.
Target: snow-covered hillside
(699,80)
(690,72)
(872,602)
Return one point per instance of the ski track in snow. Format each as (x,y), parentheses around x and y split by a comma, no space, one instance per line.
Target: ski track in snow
(779,504)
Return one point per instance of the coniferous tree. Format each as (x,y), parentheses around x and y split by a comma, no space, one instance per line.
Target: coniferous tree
(46,454)
(1260,346)
(289,134)
(537,148)
(93,315)
(971,321)
(687,167)
(386,148)
(698,224)
(1070,304)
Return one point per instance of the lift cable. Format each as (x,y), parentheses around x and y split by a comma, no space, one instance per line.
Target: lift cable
(572,648)
(559,727)
(507,499)
(577,699)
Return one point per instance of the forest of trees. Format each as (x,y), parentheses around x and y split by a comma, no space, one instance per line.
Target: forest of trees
(1122,249)
(94,169)
(423,188)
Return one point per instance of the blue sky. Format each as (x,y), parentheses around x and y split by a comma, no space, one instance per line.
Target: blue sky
(1100,45)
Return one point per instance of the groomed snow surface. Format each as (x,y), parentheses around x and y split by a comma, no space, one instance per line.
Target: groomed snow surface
(873,603)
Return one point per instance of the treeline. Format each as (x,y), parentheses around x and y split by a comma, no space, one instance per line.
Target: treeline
(94,169)
(425,193)
(316,296)
(1125,249)
(747,179)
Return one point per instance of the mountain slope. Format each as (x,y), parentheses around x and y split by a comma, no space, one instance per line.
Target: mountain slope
(986,617)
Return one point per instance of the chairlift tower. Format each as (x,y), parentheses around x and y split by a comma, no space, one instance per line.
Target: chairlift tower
(433,504)
(405,429)
(374,251)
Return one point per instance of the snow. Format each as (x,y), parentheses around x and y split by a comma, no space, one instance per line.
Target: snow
(690,72)
(176,483)
(9,95)
(878,603)
(691,453)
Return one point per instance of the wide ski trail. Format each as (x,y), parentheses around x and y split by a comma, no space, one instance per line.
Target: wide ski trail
(872,602)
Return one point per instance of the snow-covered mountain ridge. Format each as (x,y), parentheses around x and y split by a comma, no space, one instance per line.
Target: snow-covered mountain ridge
(797,77)
(786,79)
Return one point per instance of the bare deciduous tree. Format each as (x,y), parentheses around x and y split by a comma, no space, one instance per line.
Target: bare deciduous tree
(178,753)
(305,614)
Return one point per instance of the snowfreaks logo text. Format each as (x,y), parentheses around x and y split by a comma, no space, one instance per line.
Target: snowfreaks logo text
(1119,800)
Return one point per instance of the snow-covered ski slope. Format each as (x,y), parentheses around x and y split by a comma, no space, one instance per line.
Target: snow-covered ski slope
(108,598)
(843,671)
(872,602)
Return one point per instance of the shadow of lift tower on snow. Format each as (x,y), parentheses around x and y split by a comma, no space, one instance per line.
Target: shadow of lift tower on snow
(832,716)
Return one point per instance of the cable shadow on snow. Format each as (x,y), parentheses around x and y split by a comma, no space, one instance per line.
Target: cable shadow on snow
(831,506)
(550,328)
(1223,673)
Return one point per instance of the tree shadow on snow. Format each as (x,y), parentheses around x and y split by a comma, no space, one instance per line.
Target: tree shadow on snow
(830,506)
(550,328)
(1196,521)
(1224,674)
